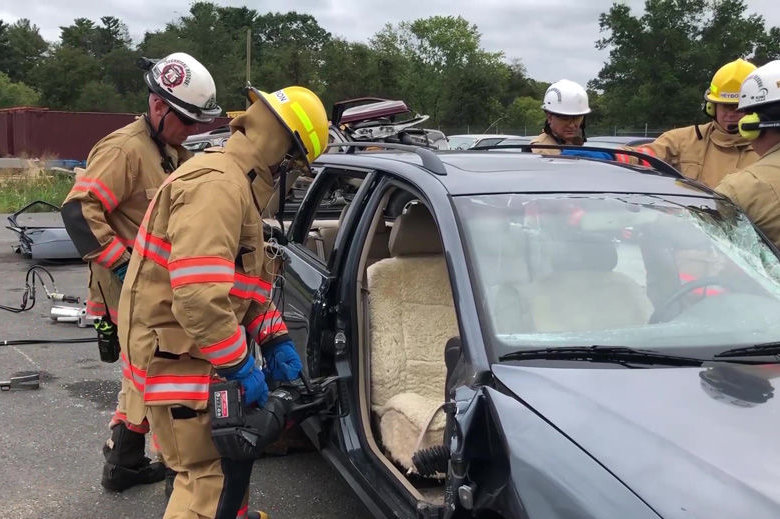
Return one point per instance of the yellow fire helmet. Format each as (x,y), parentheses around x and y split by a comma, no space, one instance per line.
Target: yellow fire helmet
(725,84)
(302,114)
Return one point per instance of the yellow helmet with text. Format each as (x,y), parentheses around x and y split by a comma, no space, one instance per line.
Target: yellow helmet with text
(724,87)
(302,113)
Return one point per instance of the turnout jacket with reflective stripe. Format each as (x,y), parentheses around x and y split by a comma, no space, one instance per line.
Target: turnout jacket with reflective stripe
(105,207)
(756,189)
(198,281)
(702,152)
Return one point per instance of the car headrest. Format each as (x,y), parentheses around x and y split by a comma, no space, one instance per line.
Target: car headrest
(414,233)
(585,252)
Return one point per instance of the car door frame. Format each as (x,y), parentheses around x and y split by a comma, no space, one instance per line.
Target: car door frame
(311,276)
(370,478)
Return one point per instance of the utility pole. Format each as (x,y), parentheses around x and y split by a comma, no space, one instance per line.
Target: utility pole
(248,58)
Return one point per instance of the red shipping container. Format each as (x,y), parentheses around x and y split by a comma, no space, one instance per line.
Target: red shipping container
(40,132)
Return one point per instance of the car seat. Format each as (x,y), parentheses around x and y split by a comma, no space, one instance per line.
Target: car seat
(584,293)
(411,318)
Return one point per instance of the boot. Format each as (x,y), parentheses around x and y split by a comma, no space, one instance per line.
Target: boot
(126,465)
(257,515)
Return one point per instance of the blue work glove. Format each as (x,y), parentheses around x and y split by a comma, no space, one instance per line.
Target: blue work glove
(282,361)
(252,381)
(589,154)
(120,271)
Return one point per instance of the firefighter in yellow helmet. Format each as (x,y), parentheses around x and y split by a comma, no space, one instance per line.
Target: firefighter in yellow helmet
(756,189)
(199,282)
(709,152)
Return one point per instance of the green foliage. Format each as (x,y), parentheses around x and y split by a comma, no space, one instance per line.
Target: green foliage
(16,94)
(22,48)
(17,192)
(61,78)
(526,113)
(661,62)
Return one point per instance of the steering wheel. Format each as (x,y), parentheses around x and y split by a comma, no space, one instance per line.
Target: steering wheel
(660,314)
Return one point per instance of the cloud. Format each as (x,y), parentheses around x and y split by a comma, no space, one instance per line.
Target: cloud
(554,38)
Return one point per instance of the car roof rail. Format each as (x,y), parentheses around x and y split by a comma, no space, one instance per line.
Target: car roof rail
(430,160)
(655,162)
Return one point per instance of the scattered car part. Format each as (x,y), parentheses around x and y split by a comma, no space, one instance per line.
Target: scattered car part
(73,314)
(42,242)
(368,119)
(24,381)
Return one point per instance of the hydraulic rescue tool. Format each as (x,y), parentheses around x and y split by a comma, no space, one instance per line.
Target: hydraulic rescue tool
(242,433)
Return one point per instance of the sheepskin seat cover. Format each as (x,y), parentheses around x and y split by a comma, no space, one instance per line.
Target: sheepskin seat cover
(412,316)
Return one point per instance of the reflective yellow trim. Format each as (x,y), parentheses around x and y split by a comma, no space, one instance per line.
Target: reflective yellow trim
(315,143)
(299,111)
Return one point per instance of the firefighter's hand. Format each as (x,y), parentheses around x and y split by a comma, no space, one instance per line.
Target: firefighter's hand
(252,381)
(282,361)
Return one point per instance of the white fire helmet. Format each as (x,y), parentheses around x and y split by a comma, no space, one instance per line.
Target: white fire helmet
(186,86)
(566,97)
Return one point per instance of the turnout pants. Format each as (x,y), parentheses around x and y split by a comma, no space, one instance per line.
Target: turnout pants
(104,289)
(206,485)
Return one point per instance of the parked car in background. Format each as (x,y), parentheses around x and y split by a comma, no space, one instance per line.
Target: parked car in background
(501,350)
(201,141)
(471,140)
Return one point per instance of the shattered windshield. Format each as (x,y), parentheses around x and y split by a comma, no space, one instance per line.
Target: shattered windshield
(639,271)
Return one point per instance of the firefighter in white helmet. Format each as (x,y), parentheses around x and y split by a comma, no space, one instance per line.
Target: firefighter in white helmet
(102,214)
(756,188)
(565,105)
(709,152)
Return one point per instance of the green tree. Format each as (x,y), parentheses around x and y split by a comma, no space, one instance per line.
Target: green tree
(62,76)
(525,113)
(16,94)
(442,69)
(97,96)
(21,49)
(661,62)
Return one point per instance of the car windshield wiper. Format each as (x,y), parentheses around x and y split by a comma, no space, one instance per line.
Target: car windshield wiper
(614,354)
(769,348)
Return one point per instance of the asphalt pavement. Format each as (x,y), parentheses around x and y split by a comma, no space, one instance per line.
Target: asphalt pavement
(50,438)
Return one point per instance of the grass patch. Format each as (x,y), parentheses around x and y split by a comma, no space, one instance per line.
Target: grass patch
(50,187)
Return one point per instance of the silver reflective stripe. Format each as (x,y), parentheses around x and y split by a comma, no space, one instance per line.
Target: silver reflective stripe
(154,387)
(255,330)
(194,271)
(251,287)
(229,349)
(108,196)
(152,247)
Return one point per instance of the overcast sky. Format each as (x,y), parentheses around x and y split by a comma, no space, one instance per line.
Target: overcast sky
(553,38)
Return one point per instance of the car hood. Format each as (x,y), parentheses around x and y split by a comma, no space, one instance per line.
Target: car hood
(690,442)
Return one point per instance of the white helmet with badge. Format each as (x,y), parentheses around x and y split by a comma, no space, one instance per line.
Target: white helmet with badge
(186,86)
(759,90)
(566,97)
